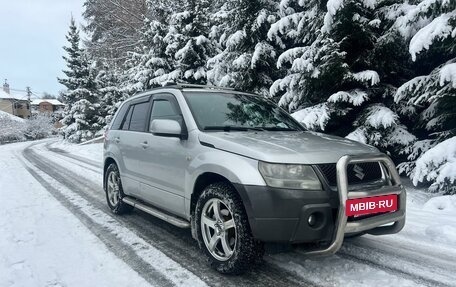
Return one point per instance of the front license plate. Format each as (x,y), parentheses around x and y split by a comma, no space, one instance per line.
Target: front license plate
(371,205)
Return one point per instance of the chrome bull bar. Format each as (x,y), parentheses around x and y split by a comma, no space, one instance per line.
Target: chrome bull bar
(372,225)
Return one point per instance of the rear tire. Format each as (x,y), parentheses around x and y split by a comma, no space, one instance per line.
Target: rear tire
(223,230)
(114,191)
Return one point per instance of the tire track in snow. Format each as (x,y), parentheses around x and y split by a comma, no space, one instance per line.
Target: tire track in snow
(405,253)
(421,280)
(72,156)
(149,262)
(174,242)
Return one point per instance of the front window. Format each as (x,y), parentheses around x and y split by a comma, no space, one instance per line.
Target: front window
(230,111)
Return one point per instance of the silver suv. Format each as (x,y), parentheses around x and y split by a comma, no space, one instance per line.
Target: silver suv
(239,171)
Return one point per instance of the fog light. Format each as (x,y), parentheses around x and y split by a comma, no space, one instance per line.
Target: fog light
(312,219)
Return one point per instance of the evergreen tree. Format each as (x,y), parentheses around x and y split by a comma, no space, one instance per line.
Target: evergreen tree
(429,27)
(337,73)
(149,66)
(188,43)
(311,61)
(108,82)
(81,120)
(247,60)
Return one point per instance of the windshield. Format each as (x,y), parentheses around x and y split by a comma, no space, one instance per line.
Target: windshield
(225,111)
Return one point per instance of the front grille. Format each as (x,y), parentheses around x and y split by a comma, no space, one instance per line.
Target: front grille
(356,173)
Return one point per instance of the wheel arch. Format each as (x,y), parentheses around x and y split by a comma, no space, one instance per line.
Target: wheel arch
(207,178)
(203,181)
(108,161)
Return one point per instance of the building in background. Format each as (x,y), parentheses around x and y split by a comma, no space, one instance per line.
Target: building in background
(51,107)
(14,103)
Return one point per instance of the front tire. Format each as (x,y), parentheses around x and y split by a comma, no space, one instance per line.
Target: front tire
(114,191)
(223,230)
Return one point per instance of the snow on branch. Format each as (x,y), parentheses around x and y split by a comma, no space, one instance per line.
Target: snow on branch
(354,97)
(400,136)
(235,39)
(358,135)
(448,74)
(313,118)
(411,87)
(426,89)
(289,56)
(438,29)
(262,50)
(284,25)
(367,76)
(380,116)
(332,6)
(438,165)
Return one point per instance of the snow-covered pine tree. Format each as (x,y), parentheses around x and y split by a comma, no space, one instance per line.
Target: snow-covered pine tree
(247,60)
(311,62)
(362,30)
(81,120)
(188,43)
(149,65)
(338,75)
(429,26)
(108,82)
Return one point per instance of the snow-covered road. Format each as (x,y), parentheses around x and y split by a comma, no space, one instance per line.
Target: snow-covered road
(57,230)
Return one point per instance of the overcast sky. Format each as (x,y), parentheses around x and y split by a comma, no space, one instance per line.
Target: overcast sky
(32,33)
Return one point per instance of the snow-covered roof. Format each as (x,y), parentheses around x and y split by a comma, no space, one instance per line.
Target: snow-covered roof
(14,96)
(53,102)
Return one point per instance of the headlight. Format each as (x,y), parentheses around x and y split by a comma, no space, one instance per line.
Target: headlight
(293,176)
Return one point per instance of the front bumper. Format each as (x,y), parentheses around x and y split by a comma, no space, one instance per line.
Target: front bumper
(281,215)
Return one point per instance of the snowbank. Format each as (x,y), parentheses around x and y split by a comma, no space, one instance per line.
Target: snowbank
(14,129)
(444,206)
(5,115)
(11,128)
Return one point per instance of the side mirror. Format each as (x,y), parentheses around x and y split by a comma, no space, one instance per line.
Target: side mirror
(168,128)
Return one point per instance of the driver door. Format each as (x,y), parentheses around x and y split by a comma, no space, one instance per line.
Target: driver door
(165,160)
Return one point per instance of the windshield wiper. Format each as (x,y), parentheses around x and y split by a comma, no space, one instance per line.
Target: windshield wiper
(232,128)
(280,129)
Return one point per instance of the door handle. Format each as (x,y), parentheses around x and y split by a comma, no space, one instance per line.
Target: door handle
(145,145)
(117,140)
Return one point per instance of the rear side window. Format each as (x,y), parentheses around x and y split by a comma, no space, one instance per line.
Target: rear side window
(126,123)
(139,117)
(117,122)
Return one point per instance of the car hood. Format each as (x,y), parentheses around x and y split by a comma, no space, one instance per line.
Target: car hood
(286,147)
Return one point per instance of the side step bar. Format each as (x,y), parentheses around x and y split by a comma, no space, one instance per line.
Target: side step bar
(157,213)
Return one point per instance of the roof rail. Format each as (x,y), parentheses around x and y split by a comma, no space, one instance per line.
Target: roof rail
(185,85)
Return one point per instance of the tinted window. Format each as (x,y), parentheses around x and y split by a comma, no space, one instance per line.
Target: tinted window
(139,117)
(119,117)
(163,109)
(126,122)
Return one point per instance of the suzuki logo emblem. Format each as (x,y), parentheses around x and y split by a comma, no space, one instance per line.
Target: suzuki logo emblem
(359,172)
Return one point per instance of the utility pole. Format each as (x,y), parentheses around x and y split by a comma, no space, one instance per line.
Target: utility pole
(29,93)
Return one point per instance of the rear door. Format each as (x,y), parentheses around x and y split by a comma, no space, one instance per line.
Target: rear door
(130,139)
